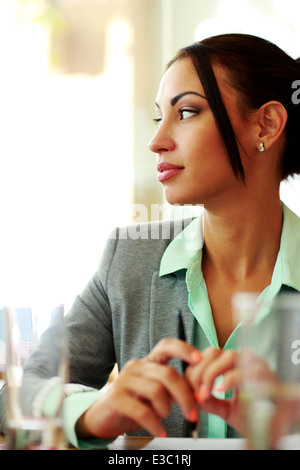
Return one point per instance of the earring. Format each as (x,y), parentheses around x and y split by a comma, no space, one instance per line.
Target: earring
(261,147)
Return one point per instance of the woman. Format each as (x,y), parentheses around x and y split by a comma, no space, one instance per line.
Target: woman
(227,136)
(226,139)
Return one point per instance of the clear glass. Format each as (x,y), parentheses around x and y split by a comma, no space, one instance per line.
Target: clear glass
(269,388)
(36,370)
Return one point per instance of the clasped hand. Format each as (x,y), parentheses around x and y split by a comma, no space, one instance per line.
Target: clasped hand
(146,389)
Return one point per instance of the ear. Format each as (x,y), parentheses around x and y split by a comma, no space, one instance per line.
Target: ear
(272,118)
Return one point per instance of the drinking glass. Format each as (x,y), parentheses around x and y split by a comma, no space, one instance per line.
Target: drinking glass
(269,388)
(36,370)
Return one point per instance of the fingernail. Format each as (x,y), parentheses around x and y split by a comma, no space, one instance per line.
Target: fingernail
(202,394)
(193,415)
(196,357)
(163,434)
(219,387)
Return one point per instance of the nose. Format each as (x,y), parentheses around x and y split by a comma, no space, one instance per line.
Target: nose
(162,141)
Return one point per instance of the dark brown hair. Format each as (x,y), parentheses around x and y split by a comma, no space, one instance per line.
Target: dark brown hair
(260,72)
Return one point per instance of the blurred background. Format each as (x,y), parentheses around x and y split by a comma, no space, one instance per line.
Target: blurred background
(78,80)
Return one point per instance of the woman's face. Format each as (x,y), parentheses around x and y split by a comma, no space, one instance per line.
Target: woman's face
(192,160)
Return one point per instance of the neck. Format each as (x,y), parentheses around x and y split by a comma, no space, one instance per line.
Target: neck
(243,238)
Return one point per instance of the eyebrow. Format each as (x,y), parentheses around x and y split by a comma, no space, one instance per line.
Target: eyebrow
(178,97)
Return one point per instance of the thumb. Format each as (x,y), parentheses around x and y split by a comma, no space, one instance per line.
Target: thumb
(227,409)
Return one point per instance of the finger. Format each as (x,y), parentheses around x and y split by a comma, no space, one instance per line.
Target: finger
(175,385)
(151,391)
(225,362)
(145,417)
(227,409)
(231,380)
(195,373)
(217,406)
(143,414)
(217,363)
(169,348)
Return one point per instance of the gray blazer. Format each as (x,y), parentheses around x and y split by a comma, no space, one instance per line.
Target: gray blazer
(125,309)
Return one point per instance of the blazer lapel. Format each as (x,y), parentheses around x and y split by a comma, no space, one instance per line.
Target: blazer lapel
(169,293)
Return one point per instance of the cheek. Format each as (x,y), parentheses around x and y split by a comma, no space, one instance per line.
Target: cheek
(205,137)
(209,165)
(207,150)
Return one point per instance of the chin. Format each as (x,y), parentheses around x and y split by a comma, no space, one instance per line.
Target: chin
(183,200)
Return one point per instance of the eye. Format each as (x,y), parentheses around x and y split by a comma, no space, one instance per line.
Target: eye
(187,113)
(157,120)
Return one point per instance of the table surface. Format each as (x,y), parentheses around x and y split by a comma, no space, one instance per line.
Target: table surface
(121,443)
(175,443)
(139,443)
(150,443)
(130,443)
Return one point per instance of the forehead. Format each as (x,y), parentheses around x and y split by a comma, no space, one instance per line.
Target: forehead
(180,77)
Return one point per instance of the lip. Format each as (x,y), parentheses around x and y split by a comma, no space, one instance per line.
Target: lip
(167,171)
